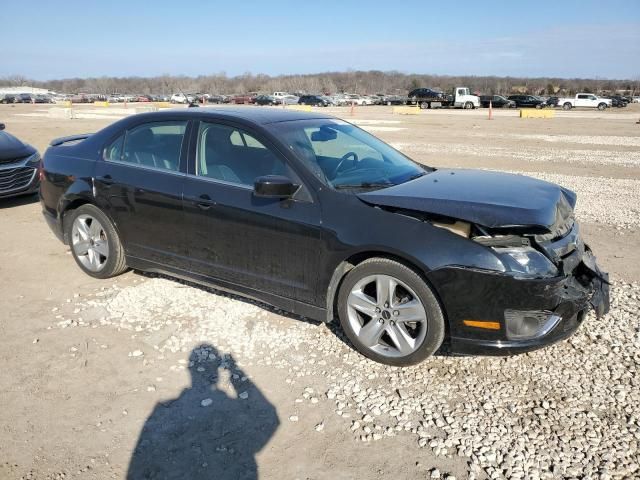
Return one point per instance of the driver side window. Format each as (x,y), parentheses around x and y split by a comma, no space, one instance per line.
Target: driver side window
(232,155)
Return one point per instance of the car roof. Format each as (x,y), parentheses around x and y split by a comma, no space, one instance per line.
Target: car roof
(256,115)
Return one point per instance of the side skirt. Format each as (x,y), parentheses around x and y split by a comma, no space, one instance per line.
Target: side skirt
(293,306)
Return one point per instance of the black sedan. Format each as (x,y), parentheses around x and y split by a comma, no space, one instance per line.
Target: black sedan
(527,101)
(19,166)
(496,101)
(313,100)
(318,217)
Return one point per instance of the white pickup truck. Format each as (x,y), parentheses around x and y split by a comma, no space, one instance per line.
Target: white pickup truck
(588,100)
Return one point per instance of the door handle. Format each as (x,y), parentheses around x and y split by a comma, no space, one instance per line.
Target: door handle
(107,179)
(204,202)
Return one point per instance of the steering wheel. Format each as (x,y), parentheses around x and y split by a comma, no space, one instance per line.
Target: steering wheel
(341,162)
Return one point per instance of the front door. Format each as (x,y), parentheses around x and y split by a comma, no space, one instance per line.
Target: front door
(139,184)
(265,244)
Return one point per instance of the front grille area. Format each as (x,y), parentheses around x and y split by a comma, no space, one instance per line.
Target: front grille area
(13,179)
(11,160)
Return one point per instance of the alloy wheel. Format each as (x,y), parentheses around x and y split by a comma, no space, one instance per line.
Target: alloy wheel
(387,316)
(89,242)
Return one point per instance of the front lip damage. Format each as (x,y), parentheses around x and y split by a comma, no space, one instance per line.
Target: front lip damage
(472,293)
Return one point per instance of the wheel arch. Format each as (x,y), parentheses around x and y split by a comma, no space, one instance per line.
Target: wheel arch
(70,204)
(348,264)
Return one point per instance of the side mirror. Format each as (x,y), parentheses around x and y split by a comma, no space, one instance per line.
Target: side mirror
(1,126)
(274,186)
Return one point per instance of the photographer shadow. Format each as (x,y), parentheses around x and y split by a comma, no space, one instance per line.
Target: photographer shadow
(212,430)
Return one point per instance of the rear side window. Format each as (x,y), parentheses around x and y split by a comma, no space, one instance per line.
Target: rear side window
(153,145)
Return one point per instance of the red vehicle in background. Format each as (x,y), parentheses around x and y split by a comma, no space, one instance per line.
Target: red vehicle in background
(244,98)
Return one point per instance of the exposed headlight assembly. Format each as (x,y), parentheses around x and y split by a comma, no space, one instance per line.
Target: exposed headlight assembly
(527,261)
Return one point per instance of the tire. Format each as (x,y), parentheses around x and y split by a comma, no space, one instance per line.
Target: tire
(108,258)
(359,293)
(424,105)
(539,106)
(468,106)
(602,106)
(567,106)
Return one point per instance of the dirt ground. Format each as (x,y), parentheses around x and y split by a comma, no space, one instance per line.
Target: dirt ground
(74,400)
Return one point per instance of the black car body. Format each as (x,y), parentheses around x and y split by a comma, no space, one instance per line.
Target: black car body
(8,98)
(265,100)
(551,102)
(497,101)
(19,166)
(314,100)
(394,100)
(426,97)
(618,101)
(527,101)
(281,216)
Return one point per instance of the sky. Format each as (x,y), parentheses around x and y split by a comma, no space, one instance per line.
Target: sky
(53,39)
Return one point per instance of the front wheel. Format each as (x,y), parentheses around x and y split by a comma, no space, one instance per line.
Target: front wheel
(94,242)
(468,106)
(602,106)
(389,313)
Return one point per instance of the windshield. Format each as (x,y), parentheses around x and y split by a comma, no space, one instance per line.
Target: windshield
(344,156)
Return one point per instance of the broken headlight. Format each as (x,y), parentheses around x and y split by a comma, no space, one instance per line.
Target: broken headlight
(527,261)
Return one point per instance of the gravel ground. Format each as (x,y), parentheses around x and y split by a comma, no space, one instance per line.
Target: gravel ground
(602,200)
(527,154)
(612,140)
(568,411)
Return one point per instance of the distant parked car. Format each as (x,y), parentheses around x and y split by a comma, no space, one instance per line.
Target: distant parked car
(289,100)
(215,99)
(22,98)
(618,101)
(182,98)
(8,98)
(19,166)
(315,100)
(497,101)
(551,102)
(527,101)
(588,100)
(244,98)
(394,100)
(265,100)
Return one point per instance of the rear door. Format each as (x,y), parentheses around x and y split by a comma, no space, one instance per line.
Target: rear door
(582,101)
(139,183)
(264,244)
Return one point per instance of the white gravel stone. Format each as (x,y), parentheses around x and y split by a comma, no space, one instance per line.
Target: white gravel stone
(206,402)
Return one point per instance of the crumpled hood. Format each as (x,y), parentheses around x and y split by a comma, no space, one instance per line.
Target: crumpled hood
(11,148)
(489,199)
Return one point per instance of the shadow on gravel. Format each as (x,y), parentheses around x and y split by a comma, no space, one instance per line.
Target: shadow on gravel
(212,430)
(18,201)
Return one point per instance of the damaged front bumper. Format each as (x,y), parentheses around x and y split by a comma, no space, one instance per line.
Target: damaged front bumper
(472,298)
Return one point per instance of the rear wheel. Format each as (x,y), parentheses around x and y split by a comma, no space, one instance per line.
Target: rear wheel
(389,313)
(567,106)
(94,242)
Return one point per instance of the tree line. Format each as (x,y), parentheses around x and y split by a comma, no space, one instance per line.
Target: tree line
(363,82)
